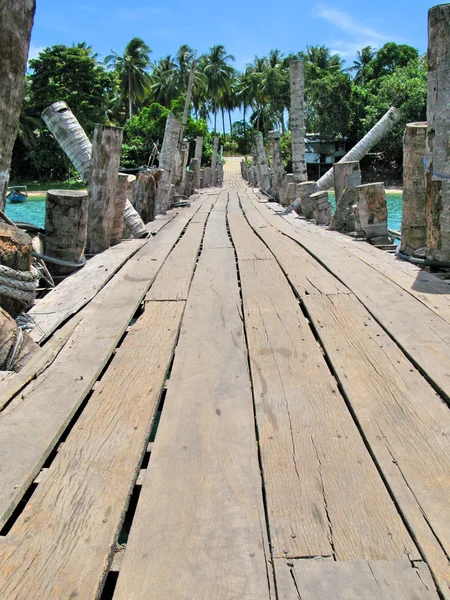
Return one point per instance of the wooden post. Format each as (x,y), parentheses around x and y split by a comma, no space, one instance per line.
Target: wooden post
(15,252)
(277,163)
(438,134)
(321,207)
(16,21)
(372,212)
(214,161)
(145,191)
(119,208)
(414,218)
(377,133)
(289,189)
(194,167)
(66,217)
(16,347)
(207,177)
(201,178)
(199,150)
(220,174)
(297,122)
(262,160)
(169,148)
(347,177)
(73,140)
(106,149)
(304,192)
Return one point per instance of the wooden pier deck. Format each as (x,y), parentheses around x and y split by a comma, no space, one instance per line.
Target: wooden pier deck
(243,407)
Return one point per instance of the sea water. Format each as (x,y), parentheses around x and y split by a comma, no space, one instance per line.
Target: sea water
(33,210)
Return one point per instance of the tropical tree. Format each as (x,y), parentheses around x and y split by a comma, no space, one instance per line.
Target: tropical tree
(219,73)
(359,67)
(132,68)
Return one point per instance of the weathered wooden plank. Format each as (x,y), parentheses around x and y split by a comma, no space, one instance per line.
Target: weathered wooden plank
(48,404)
(160,221)
(216,235)
(77,290)
(174,279)
(422,335)
(371,580)
(405,423)
(70,524)
(324,494)
(200,514)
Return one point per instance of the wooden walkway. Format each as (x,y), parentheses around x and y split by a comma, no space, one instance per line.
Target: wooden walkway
(243,407)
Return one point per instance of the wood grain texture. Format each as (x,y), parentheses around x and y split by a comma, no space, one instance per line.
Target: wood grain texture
(77,290)
(50,401)
(71,523)
(371,580)
(405,423)
(324,494)
(199,529)
(420,332)
(216,235)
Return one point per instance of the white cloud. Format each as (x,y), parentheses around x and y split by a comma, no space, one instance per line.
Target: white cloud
(346,23)
(34,51)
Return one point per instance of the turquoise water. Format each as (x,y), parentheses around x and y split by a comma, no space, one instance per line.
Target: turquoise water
(33,210)
(30,211)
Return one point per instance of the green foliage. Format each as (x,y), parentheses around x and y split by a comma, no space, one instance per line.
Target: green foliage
(244,135)
(327,105)
(141,132)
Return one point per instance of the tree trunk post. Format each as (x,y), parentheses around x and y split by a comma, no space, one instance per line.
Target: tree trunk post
(15,253)
(102,187)
(414,219)
(64,126)
(201,179)
(347,177)
(358,152)
(277,163)
(187,102)
(16,347)
(214,160)
(321,207)
(199,150)
(297,121)
(169,149)
(262,160)
(207,177)
(438,134)
(289,191)
(119,208)
(16,21)
(372,212)
(69,134)
(194,167)
(66,218)
(304,192)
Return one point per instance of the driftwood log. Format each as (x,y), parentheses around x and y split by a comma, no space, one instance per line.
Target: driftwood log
(66,218)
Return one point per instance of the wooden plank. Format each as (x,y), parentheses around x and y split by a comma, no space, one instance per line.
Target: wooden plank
(405,423)
(199,528)
(77,290)
(216,235)
(422,335)
(360,580)
(70,524)
(324,494)
(48,404)
(174,279)
(160,221)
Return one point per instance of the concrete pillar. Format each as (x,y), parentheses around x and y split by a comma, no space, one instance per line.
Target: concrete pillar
(297,121)
(264,181)
(438,134)
(414,218)
(276,164)
(372,212)
(321,207)
(347,177)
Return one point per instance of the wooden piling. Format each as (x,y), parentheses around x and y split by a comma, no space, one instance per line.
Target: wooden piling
(16,347)
(106,149)
(414,218)
(372,212)
(264,182)
(297,121)
(321,207)
(347,177)
(276,163)
(119,208)
(199,150)
(438,134)
(15,253)
(66,218)
(304,192)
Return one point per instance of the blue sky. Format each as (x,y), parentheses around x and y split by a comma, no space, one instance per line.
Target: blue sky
(245,28)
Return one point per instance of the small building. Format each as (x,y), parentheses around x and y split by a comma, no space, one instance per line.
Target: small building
(322,154)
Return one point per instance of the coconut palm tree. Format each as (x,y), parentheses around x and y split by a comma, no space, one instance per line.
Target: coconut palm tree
(218,72)
(365,56)
(132,68)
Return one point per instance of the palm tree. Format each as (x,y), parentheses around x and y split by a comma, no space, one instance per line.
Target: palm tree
(164,82)
(132,68)
(365,56)
(218,72)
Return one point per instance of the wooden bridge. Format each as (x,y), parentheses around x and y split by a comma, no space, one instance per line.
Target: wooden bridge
(244,406)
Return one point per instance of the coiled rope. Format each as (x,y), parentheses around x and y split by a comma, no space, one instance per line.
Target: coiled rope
(20,285)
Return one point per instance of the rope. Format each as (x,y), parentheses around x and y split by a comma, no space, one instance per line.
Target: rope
(59,261)
(20,285)
(16,349)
